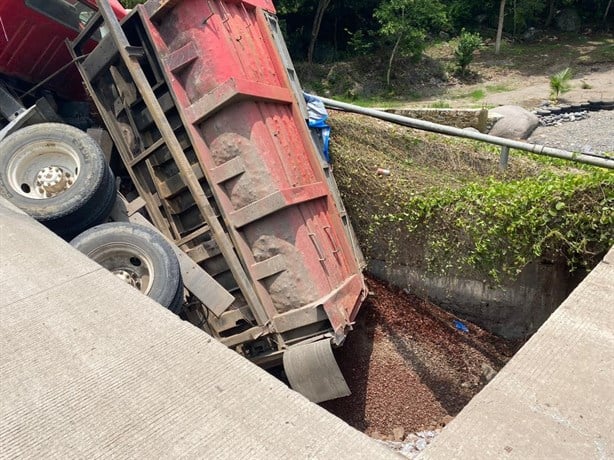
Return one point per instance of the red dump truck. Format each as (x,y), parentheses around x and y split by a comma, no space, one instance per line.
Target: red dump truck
(226,213)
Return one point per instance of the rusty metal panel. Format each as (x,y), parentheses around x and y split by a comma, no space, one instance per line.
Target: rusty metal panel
(233,93)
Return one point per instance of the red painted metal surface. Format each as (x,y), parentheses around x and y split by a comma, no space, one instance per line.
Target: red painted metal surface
(32,44)
(253,143)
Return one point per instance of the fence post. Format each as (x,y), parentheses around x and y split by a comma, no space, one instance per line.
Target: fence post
(505,154)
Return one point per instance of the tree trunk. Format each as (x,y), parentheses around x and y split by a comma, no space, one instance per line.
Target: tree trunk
(551,11)
(515,19)
(394,51)
(335,44)
(500,26)
(607,10)
(315,29)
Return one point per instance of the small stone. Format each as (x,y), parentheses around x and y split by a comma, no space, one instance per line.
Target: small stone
(408,449)
(488,373)
(398,433)
(421,444)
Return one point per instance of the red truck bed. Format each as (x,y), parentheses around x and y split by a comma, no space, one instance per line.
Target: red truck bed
(209,127)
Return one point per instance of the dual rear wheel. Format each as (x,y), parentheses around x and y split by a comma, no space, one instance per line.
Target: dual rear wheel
(59,175)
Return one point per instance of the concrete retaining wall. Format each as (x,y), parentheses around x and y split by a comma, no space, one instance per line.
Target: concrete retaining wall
(553,400)
(514,311)
(459,118)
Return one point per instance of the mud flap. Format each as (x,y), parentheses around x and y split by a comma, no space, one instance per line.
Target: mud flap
(312,371)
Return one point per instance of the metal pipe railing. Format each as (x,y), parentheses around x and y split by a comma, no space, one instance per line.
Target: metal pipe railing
(506,144)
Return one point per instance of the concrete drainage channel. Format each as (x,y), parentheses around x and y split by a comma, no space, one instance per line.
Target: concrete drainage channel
(412,367)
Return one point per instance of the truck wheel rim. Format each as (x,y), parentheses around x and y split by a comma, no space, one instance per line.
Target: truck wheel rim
(128,262)
(44,169)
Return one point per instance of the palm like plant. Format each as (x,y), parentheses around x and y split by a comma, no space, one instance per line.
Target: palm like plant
(559,83)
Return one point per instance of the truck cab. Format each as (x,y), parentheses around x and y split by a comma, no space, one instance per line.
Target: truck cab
(32,42)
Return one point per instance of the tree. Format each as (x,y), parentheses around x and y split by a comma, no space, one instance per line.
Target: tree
(607,10)
(500,26)
(404,24)
(551,11)
(315,28)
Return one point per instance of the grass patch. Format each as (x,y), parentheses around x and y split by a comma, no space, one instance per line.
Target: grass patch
(477,94)
(603,51)
(439,105)
(498,88)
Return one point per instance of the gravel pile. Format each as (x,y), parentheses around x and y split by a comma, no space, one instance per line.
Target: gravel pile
(557,119)
(594,134)
(409,366)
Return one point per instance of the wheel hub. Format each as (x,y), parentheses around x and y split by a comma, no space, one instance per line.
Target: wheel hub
(128,277)
(53,180)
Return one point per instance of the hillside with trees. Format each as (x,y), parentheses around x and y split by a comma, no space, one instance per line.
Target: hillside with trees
(329,30)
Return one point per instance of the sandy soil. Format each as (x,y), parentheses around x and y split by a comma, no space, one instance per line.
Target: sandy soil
(530,91)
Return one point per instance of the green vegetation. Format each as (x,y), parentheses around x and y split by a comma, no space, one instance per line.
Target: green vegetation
(404,25)
(477,94)
(468,44)
(336,30)
(559,83)
(446,208)
(439,105)
(497,227)
(497,88)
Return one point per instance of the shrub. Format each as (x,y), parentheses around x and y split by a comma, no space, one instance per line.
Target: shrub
(468,43)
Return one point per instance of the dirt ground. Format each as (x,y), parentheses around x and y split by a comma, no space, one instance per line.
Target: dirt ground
(530,91)
(520,75)
(409,367)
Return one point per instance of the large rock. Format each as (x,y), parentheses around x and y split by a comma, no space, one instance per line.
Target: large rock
(514,122)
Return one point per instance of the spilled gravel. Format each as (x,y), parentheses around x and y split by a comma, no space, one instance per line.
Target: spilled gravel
(410,368)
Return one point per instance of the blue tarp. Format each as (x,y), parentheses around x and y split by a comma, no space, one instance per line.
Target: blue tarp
(317,121)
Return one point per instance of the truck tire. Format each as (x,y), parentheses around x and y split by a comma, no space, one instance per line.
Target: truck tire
(58,175)
(138,255)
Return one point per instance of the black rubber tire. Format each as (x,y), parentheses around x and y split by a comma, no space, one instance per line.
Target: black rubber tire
(595,105)
(90,198)
(165,285)
(565,108)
